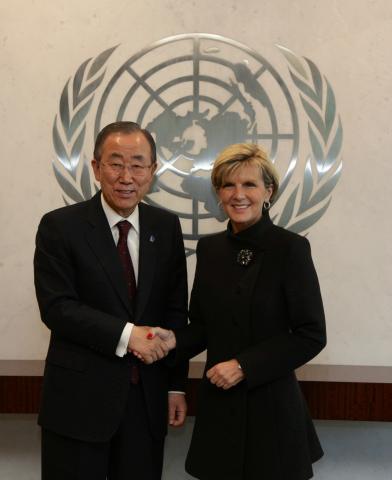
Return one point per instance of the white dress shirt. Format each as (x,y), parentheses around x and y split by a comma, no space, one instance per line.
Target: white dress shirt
(133,241)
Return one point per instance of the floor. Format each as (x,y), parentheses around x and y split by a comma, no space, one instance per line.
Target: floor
(353,450)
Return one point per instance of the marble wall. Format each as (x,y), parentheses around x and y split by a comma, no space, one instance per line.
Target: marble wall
(42,43)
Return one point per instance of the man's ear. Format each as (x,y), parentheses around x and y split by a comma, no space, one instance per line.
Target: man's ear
(96,169)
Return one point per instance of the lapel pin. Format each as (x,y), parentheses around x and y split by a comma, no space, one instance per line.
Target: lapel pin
(152,238)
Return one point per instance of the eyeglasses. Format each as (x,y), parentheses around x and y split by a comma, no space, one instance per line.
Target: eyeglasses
(117,168)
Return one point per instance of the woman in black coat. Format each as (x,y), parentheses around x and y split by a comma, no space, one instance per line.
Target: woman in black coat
(256,307)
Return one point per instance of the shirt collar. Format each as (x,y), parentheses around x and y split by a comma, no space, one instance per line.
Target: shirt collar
(113,217)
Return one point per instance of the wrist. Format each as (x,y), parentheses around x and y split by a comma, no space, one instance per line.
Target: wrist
(239,367)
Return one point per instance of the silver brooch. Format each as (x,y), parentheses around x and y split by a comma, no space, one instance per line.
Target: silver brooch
(244,257)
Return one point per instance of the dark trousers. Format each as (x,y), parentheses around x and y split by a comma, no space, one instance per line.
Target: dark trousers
(132,454)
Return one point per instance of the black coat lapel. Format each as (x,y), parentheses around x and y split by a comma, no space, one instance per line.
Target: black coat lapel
(149,240)
(100,239)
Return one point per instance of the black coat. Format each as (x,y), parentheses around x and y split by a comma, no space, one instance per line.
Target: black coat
(83,299)
(269,316)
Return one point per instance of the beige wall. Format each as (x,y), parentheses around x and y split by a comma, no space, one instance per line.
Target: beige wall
(43,42)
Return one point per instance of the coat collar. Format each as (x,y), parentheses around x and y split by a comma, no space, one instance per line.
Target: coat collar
(257,235)
(100,239)
(149,242)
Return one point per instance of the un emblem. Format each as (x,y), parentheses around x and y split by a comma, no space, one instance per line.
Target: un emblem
(198,93)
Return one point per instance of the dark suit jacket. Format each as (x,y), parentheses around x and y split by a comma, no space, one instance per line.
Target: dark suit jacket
(83,300)
(268,315)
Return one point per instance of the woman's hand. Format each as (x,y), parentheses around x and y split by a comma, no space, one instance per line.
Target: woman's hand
(226,374)
(165,339)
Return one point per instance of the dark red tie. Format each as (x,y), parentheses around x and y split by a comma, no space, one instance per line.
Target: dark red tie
(126,261)
(125,257)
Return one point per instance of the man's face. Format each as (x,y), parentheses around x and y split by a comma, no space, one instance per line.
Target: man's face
(124,171)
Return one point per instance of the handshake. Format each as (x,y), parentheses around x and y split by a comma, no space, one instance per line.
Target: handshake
(150,344)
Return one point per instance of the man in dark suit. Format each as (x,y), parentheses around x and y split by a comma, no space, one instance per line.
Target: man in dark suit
(105,270)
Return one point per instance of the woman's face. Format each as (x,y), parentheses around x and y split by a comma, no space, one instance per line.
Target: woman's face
(242,196)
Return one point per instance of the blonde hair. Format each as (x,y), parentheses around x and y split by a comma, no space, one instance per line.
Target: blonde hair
(233,156)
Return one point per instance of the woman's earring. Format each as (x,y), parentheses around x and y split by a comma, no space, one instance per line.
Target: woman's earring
(267,205)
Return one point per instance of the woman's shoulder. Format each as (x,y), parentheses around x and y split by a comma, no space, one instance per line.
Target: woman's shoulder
(211,241)
(213,238)
(282,237)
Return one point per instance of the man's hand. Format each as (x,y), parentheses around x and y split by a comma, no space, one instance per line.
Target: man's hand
(226,374)
(177,409)
(150,348)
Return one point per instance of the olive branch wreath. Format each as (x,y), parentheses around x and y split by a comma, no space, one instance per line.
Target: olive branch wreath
(69,128)
(322,169)
(323,166)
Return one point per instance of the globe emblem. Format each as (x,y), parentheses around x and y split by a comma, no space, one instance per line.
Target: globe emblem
(198,93)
